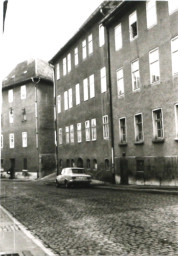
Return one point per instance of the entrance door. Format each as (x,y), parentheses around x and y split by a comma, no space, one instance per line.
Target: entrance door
(12,163)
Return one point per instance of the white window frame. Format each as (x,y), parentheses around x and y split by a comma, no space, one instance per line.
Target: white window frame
(176,119)
(76,59)
(151,13)
(118,37)
(77,93)
(79,132)
(90,44)
(173,6)
(68,62)
(87,130)
(10,96)
(70,100)
(93,129)
(24,139)
(101,35)
(85,89)
(174,54)
(64,66)
(103,79)
(92,85)
(105,127)
(60,136)
(120,82)
(67,134)
(2,141)
(155,127)
(23,92)
(66,103)
(132,20)
(153,60)
(122,136)
(57,71)
(135,70)
(11,140)
(11,116)
(139,136)
(84,49)
(72,133)
(59,104)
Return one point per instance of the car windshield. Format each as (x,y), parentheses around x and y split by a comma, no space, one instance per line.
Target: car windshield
(78,170)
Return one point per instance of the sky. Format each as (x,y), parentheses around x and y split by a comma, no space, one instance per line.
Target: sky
(39,28)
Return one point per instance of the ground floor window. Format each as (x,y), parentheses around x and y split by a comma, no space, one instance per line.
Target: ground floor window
(88,164)
(95,165)
(106,164)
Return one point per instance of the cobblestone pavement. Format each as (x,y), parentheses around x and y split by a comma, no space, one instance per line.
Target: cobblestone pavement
(95,221)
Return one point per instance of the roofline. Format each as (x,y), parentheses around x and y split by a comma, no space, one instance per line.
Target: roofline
(81,30)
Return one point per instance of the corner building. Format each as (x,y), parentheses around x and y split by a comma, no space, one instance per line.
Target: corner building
(27,134)
(143,39)
(83,98)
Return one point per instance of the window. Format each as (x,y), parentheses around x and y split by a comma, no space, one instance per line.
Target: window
(174,50)
(70,98)
(173,6)
(122,130)
(101,35)
(87,130)
(93,129)
(11,115)
(59,103)
(77,94)
(11,140)
(23,92)
(90,44)
(107,164)
(57,71)
(66,106)
(60,136)
(154,66)
(79,132)
(118,37)
(95,165)
(1,141)
(64,67)
(71,133)
(25,164)
(133,25)
(67,134)
(151,13)
(24,139)
(176,119)
(120,82)
(76,56)
(69,62)
(85,89)
(103,79)
(10,96)
(24,116)
(105,127)
(135,75)
(157,124)
(138,127)
(84,50)
(92,86)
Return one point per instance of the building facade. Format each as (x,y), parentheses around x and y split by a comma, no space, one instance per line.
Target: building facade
(143,40)
(27,129)
(83,121)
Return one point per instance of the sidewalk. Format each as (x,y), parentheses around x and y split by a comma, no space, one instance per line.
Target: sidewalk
(16,240)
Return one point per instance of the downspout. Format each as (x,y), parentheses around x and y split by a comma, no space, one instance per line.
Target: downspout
(111,107)
(55,120)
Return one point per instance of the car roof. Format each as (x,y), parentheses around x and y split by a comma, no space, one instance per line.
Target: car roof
(73,168)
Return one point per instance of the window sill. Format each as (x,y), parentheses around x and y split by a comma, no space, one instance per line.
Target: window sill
(141,142)
(136,90)
(155,83)
(158,140)
(122,144)
(120,96)
(176,139)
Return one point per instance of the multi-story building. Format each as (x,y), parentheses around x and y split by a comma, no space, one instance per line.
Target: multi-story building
(83,98)
(143,51)
(27,139)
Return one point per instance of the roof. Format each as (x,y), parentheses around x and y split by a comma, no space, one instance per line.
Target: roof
(105,8)
(25,70)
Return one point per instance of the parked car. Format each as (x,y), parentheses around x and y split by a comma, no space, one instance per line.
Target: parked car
(73,176)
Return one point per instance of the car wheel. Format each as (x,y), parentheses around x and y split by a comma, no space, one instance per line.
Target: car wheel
(66,184)
(57,184)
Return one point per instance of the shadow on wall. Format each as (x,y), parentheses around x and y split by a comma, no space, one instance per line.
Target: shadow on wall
(47,164)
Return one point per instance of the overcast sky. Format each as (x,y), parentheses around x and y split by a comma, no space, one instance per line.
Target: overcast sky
(39,28)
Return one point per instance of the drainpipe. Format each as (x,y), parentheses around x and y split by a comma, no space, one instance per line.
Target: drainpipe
(36,80)
(55,119)
(110,105)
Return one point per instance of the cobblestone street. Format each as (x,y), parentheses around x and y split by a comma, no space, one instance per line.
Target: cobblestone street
(91,221)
